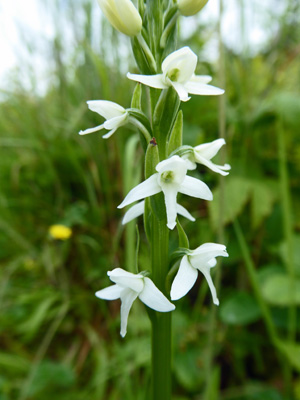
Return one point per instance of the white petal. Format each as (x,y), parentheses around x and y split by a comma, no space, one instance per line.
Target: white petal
(154,298)
(174,163)
(107,109)
(91,130)
(115,122)
(184,61)
(202,89)
(170,193)
(145,189)
(181,91)
(220,169)
(126,279)
(134,212)
(184,280)
(191,165)
(184,212)
(127,297)
(209,150)
(206,273)
(110,293)
(201,78)
(109,134)
(195,188)
(154,81)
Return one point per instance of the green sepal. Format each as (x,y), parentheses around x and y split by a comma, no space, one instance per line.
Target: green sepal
(151,160)
(183,239)
(164,117)
(141,8)
(169,14)
(145,66)
(139,116)
(169,35)
(148,219)
(136,101)
(182,150)
(175,140)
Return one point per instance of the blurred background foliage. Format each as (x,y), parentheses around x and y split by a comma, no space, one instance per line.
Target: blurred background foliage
(59,341)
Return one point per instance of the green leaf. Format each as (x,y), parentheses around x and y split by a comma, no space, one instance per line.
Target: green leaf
(151,160)
(183,239)
(176,135)
(239,309)
(283,251)
(136,101)
(292,353)
(278,290)
(236,195)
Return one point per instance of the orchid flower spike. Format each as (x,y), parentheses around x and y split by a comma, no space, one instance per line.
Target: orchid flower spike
(203,153)
(190,7)
(170,179)
(122,15)
(138,210)
(114,114)
(128,287)
(178,70)
(201,259)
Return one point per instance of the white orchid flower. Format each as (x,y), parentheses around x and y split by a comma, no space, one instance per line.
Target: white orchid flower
(203,153)
(201,259)
(114,114)
(178,70)
(128,287)
(122,15)
(170,179)
(190,7)
(138,210)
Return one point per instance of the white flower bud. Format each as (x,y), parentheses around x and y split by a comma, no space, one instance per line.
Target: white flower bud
(122,15)
(190,7)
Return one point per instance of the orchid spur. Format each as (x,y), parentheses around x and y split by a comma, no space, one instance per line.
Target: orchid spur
(178,70)
(128,287)
(138,209)
(170,179)
(202,259)
(203,154)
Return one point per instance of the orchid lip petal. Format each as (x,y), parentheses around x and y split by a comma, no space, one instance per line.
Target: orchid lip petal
(91,130)
(109,134)
(206,273)
(110,293)
(195,188)
(115,122)
(154,81)
(181,91)
(154,298)
(170,193)
(184,212)
(127,298)
(145,189)
(184,280)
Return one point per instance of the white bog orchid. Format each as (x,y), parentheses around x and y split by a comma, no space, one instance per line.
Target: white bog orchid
(138,210)
(203,153)
(170,179)
(178,70)
(128,287)
(114,114)
(122,15)
(201,259)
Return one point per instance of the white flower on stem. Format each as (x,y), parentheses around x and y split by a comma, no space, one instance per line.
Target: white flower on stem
(128,287)
(201,259)
(138,210)
(170,179)
(190,7)
(203,154)
(122,15)
(178,70)
(114,114)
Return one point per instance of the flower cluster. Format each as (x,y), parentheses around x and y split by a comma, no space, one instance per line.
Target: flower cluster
(170,173)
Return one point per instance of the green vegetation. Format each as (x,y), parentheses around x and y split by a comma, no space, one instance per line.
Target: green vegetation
(59,341)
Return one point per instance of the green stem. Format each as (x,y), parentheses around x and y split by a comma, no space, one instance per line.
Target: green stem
(161,322)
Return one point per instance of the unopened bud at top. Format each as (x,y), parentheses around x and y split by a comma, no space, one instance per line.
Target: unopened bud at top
(122,15)
(190,7)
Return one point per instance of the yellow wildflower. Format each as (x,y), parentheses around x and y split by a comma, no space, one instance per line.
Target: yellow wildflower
(60,232)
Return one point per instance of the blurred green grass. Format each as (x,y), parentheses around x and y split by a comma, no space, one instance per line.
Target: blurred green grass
(57,338)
